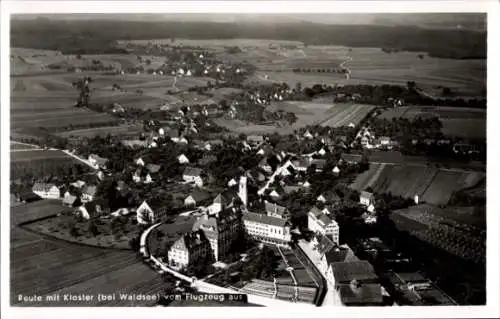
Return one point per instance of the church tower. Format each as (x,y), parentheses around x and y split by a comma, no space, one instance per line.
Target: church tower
(242,192)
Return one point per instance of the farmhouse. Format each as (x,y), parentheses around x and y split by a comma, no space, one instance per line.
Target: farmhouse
(193,175)
(188,249)
(46,191)
(140,161)
(93,209)
(97,161)
(182,159)
(366,198)
(255,139)
(196,197)
(150,213)
(351,158)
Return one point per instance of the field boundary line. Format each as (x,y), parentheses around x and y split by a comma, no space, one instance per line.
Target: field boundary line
(58,239)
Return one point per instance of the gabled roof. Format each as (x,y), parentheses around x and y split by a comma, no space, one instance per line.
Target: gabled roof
(340,254)
(43,187)
(153,168)
(90,190)
(199,195)
(365,194)
(324,244)
(320,163)
(345,272)
(226,197)
(192,171)
(97,207)
(191,241)
(69,199)
(264,219)
(361,294)
(273,208)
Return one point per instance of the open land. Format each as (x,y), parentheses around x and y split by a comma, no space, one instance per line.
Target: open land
(46,266)
(432,185)
(462,122)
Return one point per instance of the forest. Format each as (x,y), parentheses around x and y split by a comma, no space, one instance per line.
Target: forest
(99,37)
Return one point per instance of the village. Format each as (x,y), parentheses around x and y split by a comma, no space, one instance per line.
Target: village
(224,188)
(223,168)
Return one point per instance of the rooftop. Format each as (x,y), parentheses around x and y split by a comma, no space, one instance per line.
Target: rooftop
(192,171)
(361,294)
(361,271)
(264,219)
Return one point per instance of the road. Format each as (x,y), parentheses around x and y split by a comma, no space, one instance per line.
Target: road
(38,148)
(331,297)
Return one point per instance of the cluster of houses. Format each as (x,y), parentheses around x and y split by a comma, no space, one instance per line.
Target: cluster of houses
(187,63)
(222,223)
(368,140)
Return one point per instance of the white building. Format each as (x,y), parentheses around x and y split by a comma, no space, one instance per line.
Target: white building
(188,249)
(182,159)
(366,198)
(318,221)
(267,229)
(193,175)
(47,191)
(147,214)
(140,161)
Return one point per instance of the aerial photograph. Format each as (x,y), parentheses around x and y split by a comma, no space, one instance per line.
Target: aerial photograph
(248,160)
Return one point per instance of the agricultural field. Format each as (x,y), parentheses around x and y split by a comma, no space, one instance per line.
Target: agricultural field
(238,126)
(38,155)
(308,113)
(346,114)
(371,66)
(441,228)
(132,129)
(460,122)
(36,210)
(46,266)
(16,146)
(432,185)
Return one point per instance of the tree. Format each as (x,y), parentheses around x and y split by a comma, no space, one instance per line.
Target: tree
(411,85)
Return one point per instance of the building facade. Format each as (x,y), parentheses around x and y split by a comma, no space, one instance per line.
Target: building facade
(318,221)
(221,229)
(150,213)
(189,249)
(267,229)
(47,191)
